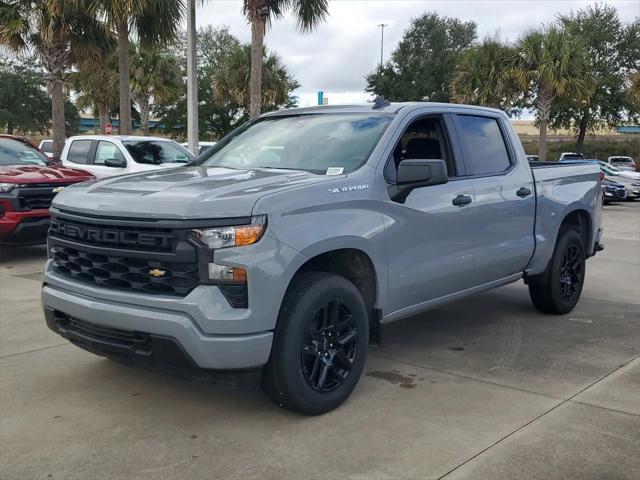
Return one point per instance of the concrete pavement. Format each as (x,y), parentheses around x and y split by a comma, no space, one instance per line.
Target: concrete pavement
(484,388)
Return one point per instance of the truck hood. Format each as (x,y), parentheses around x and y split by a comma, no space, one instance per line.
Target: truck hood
(187,192)
(40,174)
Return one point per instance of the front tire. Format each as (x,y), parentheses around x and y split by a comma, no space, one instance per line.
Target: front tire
(558,289)
(320,344)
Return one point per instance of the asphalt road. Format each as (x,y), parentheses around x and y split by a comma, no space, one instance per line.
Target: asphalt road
(486,388)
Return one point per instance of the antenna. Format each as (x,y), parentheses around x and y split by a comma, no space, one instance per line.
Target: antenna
(380,102)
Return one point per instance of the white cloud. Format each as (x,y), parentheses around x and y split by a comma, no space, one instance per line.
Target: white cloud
(336,57)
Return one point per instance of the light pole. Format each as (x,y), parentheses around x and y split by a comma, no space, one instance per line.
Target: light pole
(192,79)
(382,25)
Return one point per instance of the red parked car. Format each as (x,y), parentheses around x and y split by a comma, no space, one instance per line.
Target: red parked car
(28,182)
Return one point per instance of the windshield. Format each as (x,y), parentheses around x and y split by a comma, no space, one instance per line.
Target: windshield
(155,152)
(573,156)
(318,143)
(15,152)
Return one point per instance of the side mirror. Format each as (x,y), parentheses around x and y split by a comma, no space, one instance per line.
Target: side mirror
(115,162)
(418,173)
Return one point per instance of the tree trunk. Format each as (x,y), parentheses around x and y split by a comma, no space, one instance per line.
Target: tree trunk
(103,113)
(258,23)
(123,71)
(57,118)
(145,114)
(582,131)
(10,128)
(545,99)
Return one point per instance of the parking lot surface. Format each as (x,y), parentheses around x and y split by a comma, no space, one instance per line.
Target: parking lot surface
(484,388)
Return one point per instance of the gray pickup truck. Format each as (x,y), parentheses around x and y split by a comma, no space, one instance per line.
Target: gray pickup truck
(289,243)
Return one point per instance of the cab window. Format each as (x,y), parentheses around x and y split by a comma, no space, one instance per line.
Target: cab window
(107,151)
(79,151)
(485,149)
(424,139)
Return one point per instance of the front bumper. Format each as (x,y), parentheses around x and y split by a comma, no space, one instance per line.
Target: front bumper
(23,228)
(162,328)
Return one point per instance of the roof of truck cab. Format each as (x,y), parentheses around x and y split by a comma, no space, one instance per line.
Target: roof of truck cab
(390,108)
(122,138)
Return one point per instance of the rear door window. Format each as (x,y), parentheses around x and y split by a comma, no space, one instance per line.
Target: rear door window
(79,151)
(485,149)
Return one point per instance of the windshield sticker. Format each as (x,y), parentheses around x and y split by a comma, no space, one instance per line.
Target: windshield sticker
(348,188)
(335,170)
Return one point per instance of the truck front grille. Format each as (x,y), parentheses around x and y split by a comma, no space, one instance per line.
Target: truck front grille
(38,196)
(35,202)
(125,273)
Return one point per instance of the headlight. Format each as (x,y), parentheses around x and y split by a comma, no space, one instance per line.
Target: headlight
(224,237)
(7,187)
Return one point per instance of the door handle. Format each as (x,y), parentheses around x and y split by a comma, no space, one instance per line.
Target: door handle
(462,200)
(523,192)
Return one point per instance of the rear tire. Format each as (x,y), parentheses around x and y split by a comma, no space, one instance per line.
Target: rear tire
(558,289)
(320,344)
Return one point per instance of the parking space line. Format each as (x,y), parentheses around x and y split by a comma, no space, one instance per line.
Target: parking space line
(555,407)
(34,350)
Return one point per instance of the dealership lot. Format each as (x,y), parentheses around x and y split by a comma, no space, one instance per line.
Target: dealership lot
(484,388)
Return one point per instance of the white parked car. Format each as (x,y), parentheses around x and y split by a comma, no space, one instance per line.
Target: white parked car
(564,156)
(108,155)
(623,163)
(46,147)
(202,146)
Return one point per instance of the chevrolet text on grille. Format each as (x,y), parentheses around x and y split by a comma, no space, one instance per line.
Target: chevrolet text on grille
(101,235)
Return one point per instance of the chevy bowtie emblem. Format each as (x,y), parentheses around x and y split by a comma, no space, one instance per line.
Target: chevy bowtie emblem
(156,272)
(58,189)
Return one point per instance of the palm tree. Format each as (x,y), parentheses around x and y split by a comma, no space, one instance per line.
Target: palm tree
(62,33)
(155,80)
(484,75)
(231,80)
(550,64)
(97,87)
(309,14)
(154,21)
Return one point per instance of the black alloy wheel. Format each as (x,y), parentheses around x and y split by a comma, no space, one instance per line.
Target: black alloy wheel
(319,346)
(570,273)
(330,347)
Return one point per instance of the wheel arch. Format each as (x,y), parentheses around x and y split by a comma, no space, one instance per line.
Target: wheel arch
(580,220)
(357,266)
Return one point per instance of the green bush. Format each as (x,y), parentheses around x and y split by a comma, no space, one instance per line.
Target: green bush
(599,148)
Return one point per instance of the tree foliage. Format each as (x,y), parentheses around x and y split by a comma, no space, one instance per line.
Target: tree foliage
(422,65)
(231,81)
(309,14)
(484,75)
(550,65)
(153,21)
(223,97)
(155,80)
(612,52)
(24,104)
(61,33)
